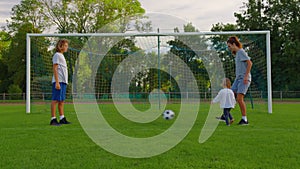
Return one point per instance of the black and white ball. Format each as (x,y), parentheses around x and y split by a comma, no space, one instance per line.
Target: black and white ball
(168,114)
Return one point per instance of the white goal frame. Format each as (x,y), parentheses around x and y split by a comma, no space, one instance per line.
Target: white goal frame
(268,52)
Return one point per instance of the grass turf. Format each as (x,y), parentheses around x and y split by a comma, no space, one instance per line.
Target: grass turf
(270,141)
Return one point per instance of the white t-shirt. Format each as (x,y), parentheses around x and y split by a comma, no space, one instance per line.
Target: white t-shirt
(62,69)
(226,98)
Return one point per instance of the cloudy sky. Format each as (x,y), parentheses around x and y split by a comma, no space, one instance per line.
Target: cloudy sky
(202,13)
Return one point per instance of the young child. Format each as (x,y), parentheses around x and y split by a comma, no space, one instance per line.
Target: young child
(59,82)
(227,100)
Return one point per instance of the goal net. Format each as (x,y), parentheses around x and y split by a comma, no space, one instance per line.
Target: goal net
(140,68)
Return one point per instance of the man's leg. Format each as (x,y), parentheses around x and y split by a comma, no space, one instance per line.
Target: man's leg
(240,100)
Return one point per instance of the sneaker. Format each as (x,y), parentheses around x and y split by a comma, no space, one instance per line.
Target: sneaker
(231,121)
(243,122)
(54,122)
(64,121)
(222,118)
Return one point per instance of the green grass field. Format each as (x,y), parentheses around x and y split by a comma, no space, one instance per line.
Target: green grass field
(270,141)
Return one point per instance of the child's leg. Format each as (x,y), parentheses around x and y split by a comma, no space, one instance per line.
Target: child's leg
(61,108)
(229,114)
(53,108)
(226,114)
(63,119)
(62,98)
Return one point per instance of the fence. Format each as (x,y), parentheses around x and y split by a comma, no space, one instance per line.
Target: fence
(20,97)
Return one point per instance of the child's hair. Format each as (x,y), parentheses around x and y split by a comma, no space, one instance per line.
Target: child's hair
(226,83)
(60,43)
(234,40)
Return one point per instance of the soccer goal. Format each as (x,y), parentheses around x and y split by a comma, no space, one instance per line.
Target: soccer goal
(131,67)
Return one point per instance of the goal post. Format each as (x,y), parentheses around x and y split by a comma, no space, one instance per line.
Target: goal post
(156,43)
(28,56)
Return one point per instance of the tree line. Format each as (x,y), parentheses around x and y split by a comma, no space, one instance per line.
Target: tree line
(281,17)
(66,16)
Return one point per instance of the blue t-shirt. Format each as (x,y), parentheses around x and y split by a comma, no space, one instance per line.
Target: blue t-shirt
(241,64)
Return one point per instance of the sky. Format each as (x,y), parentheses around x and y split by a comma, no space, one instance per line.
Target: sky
(202,13)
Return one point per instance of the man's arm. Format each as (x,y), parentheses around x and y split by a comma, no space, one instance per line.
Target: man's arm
(249,65)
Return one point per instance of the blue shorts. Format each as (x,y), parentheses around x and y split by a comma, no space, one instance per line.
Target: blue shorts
(59,95)
(238,86)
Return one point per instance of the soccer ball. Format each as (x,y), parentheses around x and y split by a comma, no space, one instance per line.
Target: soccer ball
(168,114)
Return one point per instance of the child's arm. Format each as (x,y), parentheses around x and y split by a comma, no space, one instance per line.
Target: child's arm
(55,73)
(217,98)
(233,99)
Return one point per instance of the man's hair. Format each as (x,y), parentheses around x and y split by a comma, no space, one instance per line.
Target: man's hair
(59,44)
(234,40)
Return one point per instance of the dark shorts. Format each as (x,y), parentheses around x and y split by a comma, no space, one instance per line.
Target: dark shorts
(238,86)
(59,95)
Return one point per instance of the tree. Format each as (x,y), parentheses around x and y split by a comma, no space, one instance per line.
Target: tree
(28,11)
(86,16)
(67,16)
(184,47)
(224,27)
(253,17)
(5,40)
(111,61)
(15,91)
(282,18)
(16,55)
(90,16)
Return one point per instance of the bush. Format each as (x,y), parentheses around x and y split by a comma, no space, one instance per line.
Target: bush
(15,92)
